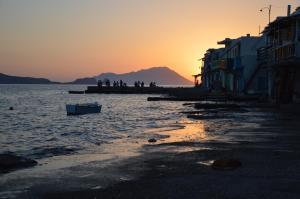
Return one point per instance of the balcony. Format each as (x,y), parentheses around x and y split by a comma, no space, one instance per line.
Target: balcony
(284,52)
(219,64)
(271,55)
(228,64)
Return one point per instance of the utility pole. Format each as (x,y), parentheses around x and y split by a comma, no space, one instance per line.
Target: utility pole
(270,11)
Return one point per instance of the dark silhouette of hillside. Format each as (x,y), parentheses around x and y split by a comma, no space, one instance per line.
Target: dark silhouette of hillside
(160,75)
(8,79)
(87,80)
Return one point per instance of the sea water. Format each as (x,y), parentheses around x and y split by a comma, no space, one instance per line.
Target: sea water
(72,150)
(39,127)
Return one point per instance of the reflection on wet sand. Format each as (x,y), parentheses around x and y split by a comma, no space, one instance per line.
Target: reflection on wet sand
(191,132)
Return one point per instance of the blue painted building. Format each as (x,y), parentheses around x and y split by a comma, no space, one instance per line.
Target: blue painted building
(229,68)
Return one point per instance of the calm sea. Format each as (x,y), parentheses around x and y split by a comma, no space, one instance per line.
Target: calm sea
(38,127)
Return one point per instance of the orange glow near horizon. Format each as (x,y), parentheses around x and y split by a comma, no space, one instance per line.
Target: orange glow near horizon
(72,39)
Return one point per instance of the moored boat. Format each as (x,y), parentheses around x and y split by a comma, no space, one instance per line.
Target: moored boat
(80,109)
(76,92)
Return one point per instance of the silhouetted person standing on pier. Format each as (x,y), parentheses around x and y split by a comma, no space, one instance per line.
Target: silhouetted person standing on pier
(99,84)
(107,83)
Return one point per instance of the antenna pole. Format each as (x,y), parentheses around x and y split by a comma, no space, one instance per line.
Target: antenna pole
(270,10)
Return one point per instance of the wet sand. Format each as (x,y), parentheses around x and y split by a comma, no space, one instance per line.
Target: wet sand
(178,165)
(269,152)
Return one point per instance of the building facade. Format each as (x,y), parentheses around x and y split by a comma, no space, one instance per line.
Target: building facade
(281,57)
(268,65)
(211,77)
(230,68)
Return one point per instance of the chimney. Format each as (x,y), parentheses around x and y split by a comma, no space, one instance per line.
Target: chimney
(289,10)
(248,35)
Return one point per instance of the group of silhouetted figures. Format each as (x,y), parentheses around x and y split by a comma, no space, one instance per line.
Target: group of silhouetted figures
(139,84)
(122,84)
(152,84)
(119,84)
(106,82)
(142,84)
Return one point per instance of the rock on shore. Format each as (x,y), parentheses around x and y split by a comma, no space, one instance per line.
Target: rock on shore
(226,164)
(9,162)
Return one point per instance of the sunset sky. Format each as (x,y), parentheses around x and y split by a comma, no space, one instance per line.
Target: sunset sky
(67,39)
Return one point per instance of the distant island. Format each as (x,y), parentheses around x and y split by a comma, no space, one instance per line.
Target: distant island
(160,75)
(8,79)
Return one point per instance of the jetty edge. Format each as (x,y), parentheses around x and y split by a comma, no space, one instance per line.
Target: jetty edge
(172,93)
(139,90)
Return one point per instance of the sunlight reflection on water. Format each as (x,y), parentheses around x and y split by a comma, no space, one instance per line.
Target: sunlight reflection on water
(192,132)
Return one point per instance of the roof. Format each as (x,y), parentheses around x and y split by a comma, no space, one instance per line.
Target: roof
(283,20)
(225,41)
(297,12)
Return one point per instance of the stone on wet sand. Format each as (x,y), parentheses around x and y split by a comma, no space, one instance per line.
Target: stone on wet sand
(10,162)
(152,140)
(226,164)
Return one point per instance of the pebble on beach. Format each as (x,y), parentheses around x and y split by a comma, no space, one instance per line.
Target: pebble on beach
(226,164)
(152,140)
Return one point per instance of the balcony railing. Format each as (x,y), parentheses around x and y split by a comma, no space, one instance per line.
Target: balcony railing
(226,64)
(284,52)
(270,55)
(218,64)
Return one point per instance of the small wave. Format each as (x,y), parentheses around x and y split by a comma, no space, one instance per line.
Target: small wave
(52,139)
(44,152)
(73,133)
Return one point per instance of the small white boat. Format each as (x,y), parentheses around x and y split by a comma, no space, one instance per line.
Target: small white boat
(80,109)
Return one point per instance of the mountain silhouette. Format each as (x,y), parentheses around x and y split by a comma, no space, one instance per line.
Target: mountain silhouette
(160,75)
(8,79)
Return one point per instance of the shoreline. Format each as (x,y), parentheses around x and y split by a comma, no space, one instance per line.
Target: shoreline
(179,163)
(269,167)
(189,175)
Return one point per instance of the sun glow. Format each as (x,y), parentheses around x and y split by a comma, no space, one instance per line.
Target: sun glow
(84,38)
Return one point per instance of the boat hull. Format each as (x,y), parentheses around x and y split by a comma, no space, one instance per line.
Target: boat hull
(82,109)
